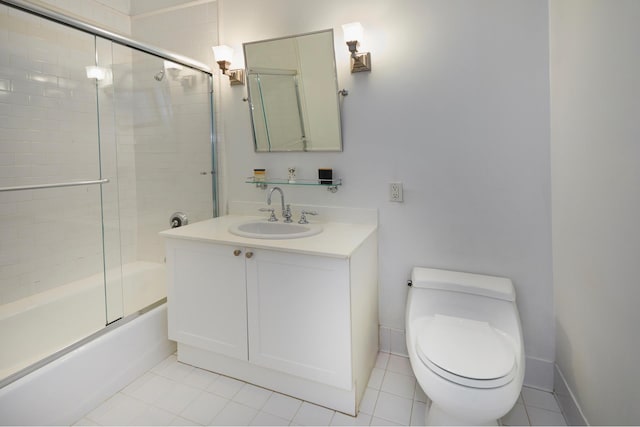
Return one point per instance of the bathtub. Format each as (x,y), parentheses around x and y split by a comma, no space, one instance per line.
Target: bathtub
(40,325)
(65,389)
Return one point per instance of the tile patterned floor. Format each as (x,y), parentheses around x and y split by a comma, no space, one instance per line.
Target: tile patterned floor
(173,393)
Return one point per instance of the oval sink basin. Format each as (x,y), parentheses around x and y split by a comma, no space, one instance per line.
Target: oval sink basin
(263,229)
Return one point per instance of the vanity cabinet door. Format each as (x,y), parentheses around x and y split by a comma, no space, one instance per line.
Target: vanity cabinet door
(207,296)
(299,315)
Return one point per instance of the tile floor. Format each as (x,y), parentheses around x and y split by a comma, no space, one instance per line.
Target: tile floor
(173,393)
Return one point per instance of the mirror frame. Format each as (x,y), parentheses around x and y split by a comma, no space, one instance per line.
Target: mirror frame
(248,66)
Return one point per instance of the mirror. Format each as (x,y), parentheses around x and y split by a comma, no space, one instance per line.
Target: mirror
(293,93)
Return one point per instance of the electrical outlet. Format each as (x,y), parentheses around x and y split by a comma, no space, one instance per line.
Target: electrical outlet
(395,192)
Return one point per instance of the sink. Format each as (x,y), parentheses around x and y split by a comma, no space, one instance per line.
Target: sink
(263,229)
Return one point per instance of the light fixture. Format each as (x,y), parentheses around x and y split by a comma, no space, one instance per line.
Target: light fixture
(360,61)
(223,55)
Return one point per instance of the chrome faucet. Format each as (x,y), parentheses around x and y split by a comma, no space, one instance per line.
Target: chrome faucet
(286,212)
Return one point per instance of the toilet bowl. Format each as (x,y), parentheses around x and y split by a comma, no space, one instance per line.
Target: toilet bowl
(465,345)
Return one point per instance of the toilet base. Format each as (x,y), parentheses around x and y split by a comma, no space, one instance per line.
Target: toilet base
(435,416)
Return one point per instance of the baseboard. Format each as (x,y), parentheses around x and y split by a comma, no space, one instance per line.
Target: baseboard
(393,341)
(567,401)
(538,373)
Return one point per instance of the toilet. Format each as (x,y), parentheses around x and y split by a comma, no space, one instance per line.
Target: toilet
(465,345)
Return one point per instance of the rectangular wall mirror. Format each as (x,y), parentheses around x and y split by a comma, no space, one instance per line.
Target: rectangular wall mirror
(293,93)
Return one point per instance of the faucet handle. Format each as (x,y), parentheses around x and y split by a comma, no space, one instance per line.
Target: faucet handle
(286,214)
(272,217)
(303,216)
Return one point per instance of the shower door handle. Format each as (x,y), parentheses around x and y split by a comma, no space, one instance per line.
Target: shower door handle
(56,185)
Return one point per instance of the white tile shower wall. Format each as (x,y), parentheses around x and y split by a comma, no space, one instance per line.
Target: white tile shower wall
(48,134)
(113,15)
(172,150)
(175,157)
(60,118)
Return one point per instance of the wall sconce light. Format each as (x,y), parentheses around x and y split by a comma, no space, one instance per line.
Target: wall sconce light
(360,61)
(222,55)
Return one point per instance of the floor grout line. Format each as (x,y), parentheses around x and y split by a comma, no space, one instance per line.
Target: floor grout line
(166,368)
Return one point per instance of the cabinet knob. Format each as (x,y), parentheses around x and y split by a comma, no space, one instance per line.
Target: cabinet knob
(249,254)
(237,252)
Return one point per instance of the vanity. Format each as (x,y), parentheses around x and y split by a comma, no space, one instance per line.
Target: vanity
(295,315)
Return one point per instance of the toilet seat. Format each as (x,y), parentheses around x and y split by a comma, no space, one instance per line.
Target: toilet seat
(467,352)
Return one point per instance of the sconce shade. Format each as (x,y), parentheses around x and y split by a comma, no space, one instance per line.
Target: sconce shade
(353,31)
(222,53)
(353,35)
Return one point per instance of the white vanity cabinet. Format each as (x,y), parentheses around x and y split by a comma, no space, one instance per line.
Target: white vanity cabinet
(303,323)
(299,315)
(208,297)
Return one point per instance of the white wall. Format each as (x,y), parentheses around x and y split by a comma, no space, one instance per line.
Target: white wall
(596,203)
(456,108)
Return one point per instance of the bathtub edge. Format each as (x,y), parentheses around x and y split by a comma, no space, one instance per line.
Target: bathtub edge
(65,390)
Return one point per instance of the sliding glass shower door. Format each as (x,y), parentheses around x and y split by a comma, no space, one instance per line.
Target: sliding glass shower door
(99,145)
(155,133)
(51,256)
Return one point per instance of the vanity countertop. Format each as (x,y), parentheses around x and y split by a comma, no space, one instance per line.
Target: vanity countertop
(337,239)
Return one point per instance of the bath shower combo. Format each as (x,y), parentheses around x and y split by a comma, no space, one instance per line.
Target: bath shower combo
(102,148)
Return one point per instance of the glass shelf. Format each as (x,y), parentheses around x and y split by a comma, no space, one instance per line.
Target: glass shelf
(331,185)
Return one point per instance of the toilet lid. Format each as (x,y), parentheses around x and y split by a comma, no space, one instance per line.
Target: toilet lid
(466,351)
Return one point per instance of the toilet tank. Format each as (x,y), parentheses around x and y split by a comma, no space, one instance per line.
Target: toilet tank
(476,284)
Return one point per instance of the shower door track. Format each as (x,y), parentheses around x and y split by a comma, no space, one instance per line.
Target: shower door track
(55,185)
(92,29)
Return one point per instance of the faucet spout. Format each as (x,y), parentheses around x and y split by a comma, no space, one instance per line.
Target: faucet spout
(286,212)
(281,196)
